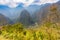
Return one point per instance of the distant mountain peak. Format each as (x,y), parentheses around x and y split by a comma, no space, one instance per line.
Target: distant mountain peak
(3,6)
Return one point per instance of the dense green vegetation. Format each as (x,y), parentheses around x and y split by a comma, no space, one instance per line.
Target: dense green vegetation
(47,31)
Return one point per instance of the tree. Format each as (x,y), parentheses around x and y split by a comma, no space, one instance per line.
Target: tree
(53,15)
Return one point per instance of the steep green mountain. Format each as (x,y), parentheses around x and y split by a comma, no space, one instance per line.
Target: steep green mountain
(25,18)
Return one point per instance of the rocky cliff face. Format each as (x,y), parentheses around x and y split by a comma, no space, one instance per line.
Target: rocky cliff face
(49,13)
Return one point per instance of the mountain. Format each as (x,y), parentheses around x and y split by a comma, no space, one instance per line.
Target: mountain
(41,13)
(58,3)
(32,14)
(25,18)
(3,7)
(4,10)
(12,13)
(33,8)
(49,12)
(18,10)
(4,20)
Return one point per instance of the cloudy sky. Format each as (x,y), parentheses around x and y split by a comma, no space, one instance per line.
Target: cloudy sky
(14,3)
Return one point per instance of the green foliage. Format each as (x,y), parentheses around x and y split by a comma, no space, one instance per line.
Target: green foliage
(19,32)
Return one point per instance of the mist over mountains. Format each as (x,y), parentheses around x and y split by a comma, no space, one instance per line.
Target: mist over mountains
(29,15)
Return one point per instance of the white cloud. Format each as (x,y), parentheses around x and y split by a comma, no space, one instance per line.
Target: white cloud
(48,1)
(4,1)
(45,1)
(14,3)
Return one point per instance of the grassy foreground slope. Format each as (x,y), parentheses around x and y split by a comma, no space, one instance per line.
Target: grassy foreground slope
(47,31)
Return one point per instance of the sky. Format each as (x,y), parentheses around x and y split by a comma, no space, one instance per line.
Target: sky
(15,3)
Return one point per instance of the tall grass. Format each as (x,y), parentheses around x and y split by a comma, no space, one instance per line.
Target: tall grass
(47,31)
